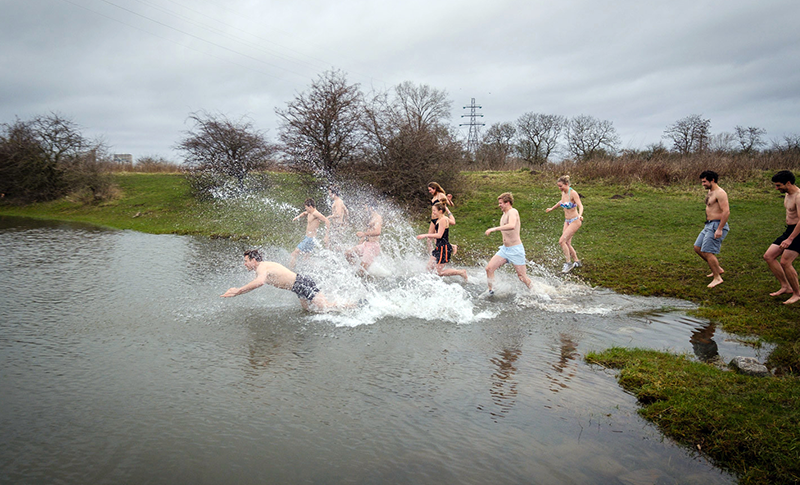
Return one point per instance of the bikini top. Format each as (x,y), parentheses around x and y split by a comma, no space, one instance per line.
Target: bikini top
(570,204)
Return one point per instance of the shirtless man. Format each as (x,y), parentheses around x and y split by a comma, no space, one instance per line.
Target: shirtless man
(512,250)
(338,217)
(369,248)
(308,243)
(709,241)
(280,277)
(787,246)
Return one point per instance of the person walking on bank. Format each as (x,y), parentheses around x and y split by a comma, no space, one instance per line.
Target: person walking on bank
(709,242)
(573,220)
(787,246)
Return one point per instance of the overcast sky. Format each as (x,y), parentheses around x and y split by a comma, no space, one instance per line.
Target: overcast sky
(131,71)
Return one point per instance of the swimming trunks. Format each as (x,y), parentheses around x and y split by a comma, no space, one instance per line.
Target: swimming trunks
(705,240)
(305,288)
(307,245)
(795,246)
(513,254)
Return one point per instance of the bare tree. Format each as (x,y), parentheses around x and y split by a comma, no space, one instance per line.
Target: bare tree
(750,138)
(588,136)
(497,144)
(689,135)
(537,136)
(323,127)
(48,157)
(421,106)
(724,142)
(219,145)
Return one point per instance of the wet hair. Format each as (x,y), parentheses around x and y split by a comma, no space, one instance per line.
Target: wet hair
(436,187)
(783,176)
(710,175)
(334,190)
(564,179)
(309,203)
(506,197)
(440,207)
(253,254)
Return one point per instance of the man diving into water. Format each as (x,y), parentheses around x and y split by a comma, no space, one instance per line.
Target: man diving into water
(281,277)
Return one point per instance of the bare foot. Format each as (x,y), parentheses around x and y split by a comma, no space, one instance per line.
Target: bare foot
(711,275)
(791,300)
(715,282)
(455,249)
(464,275)
(781,291)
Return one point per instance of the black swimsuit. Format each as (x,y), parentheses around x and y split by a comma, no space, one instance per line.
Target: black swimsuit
(443,251)
(305,288)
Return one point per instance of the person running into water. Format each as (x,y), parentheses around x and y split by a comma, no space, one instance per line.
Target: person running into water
(573,219)
(787,246)
(369,247)
(440,231)
(281,277)
(438,194)
(512,250)
(709,241)
(338,217)
(307,245)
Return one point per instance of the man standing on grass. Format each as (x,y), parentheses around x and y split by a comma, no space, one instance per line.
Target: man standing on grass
(512,250)
(787,246)
(709,241)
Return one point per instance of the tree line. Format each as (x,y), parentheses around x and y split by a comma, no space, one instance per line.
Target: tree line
(396,140)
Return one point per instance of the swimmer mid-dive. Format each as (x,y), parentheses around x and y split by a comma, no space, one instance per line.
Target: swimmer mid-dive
(279,276)
(440,256)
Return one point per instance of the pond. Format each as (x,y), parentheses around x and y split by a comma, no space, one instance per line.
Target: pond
(121,364)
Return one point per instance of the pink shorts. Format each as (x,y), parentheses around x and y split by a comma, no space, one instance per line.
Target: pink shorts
(368,251)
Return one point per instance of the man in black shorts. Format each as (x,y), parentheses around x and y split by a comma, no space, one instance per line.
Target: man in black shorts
(279,276)
(787,246)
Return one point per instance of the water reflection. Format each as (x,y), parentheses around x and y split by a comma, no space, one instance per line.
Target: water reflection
(566,366)
(703,344)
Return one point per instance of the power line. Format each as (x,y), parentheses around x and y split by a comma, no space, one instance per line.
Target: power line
(473,138)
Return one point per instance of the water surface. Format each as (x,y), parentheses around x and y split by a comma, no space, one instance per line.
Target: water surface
(121,364)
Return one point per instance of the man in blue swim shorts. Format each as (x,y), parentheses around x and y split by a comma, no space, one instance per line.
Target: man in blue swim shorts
(307,245)
(709,241)
(512,251)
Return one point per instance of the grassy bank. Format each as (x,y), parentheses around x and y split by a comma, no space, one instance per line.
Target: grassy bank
(635,239)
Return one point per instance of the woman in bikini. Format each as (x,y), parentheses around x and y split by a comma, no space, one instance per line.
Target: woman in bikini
(439,230)
(573,219)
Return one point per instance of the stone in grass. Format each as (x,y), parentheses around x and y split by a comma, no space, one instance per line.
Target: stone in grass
(749,366)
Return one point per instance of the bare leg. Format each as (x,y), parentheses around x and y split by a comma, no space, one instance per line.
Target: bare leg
(293,258)
(713,263)
(494,263)
(566,240)
(771,257)
(440,269)
(523,275)
(787,259)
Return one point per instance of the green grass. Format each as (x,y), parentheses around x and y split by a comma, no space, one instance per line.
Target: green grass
(745,424)
(640,243)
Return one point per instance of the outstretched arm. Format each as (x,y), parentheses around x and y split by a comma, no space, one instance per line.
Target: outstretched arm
(258,281)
